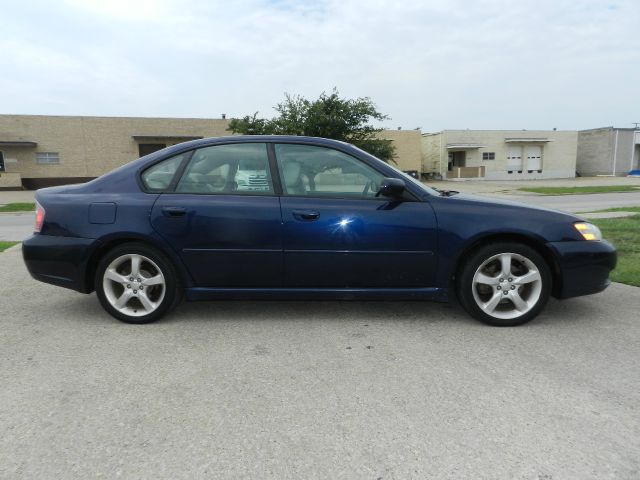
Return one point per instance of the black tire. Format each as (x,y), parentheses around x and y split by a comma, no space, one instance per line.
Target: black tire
(465,284)
(172,287)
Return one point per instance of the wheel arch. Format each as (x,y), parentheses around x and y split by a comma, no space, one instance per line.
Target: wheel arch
(537,244)
(107,244)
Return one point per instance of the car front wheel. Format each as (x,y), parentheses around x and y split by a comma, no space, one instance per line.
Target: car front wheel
(504,284)
(136,283)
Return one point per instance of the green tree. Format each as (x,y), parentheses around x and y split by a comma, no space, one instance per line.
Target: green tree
(330,116)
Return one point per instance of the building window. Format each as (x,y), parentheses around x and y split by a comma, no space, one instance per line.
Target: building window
(1,162)
(48,158)
(488,155)
(147,148)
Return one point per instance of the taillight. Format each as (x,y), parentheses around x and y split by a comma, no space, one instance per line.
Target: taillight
(39,218)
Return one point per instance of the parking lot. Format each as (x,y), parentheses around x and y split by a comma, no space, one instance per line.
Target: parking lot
(315,390)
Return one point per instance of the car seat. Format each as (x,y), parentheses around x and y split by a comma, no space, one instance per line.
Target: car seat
(291,172)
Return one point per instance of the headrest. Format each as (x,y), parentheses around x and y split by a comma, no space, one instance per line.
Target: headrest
(291,174)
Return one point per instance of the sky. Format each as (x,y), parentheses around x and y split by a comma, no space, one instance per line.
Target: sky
(491,64)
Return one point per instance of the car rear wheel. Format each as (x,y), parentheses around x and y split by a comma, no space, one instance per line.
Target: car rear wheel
(136,283)
(504,284)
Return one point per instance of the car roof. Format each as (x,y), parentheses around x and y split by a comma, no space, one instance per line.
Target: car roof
(264,138)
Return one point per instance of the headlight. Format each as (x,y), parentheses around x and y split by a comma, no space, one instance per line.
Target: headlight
(588,231)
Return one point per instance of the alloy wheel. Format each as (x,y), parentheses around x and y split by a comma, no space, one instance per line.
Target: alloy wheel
(507,286)
(134,285)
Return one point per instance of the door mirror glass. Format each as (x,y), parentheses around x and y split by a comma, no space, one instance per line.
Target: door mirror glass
(391,187)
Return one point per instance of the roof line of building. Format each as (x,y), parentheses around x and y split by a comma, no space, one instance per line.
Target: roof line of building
(387,129)
(114,117)
(492,130)
(610,127)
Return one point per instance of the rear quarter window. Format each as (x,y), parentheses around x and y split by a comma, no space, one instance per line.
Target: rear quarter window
(159,176)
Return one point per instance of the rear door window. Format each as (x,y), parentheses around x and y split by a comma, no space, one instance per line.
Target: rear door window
(237,169)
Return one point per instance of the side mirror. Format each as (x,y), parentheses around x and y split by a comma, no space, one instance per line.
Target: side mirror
(391,187)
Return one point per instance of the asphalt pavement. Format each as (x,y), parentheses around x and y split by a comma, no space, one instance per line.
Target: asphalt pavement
(16,226)
(306,390)
(576,203)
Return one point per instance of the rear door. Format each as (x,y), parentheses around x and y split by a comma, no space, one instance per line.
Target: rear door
(338,234)
(223,217)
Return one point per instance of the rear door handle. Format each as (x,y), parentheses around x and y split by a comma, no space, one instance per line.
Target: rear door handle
(306,215)
(173,211)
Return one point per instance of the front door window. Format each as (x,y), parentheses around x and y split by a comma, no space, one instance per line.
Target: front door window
(312,171)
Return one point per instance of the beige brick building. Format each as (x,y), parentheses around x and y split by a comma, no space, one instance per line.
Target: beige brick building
(408,143)
(38,150)
(500,154)
(46,150)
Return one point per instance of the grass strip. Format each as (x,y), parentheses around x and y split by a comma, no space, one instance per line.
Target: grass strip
(5,245)
(617,209)
(624,233)
(18,207)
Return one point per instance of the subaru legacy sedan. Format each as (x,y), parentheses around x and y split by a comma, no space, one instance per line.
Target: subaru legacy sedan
(280,217)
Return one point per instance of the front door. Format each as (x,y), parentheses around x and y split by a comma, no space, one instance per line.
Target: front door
(459,159)
(223,218)
(338,234)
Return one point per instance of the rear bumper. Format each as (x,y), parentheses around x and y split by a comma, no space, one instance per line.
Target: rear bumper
(584,267)
(60,261)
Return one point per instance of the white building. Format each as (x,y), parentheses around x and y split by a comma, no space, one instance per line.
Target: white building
(500,154)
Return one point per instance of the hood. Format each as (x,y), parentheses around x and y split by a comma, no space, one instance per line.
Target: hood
(503,203)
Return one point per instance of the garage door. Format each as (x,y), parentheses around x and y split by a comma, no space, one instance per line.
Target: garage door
(514,158)
(534,157)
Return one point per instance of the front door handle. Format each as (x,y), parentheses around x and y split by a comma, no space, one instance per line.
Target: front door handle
(306,215)
(173,211)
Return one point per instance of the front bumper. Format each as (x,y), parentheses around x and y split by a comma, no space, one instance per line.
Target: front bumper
(584,266)
(60,261)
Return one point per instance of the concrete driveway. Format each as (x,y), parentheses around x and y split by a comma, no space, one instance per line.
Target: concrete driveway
(323,390)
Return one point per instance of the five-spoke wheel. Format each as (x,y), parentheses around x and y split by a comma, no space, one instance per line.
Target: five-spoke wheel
(136,284)
(504,284)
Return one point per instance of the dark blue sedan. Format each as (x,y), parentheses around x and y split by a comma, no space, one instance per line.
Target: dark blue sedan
(268,217)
